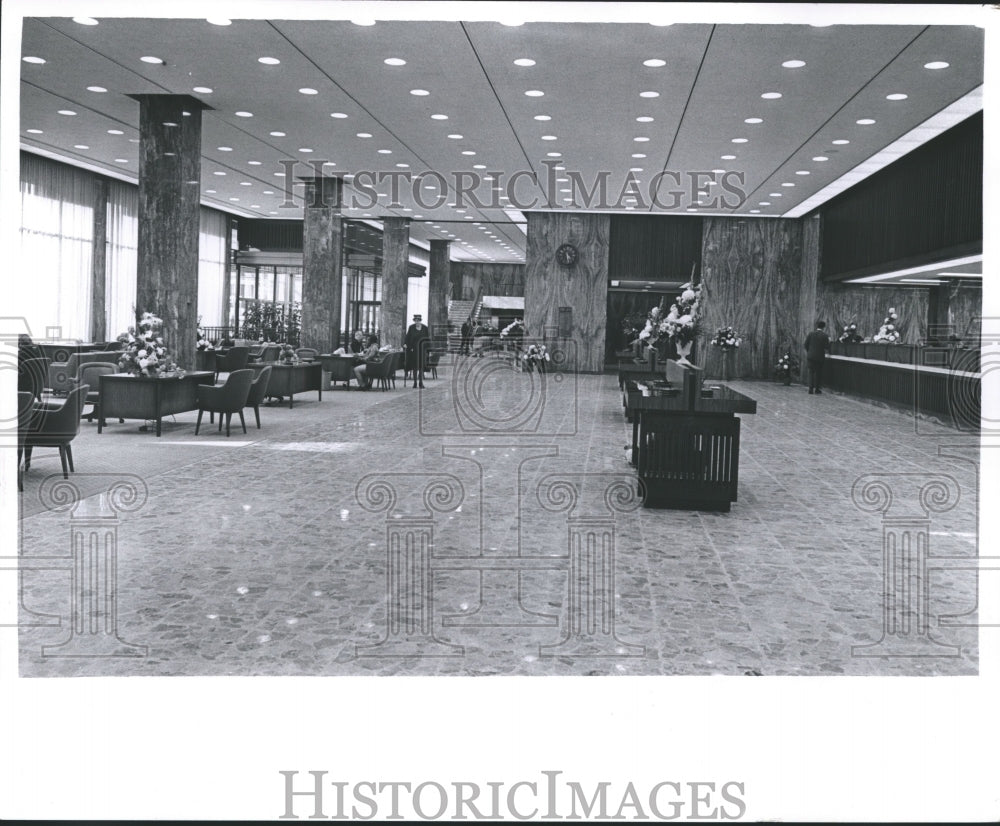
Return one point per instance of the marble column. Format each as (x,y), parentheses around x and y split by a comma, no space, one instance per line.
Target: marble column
(322,255)
(440,277)
(169,212)
(395,258)
(98,264)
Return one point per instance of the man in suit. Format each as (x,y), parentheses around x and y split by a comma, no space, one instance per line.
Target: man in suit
(817,346)
(418,341)
(466,337)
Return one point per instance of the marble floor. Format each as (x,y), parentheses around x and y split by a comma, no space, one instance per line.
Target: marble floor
(488,525)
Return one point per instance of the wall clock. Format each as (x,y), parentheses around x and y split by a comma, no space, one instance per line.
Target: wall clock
(567,255)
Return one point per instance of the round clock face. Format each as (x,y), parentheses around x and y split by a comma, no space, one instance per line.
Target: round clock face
(567,255)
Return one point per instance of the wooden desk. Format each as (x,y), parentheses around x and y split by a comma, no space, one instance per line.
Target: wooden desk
(289,379)
(125,396)
(340,368)
(686,442)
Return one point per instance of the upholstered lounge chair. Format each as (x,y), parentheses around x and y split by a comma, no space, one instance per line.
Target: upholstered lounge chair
(227,398)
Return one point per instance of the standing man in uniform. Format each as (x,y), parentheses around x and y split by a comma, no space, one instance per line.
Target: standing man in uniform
(418,341)
(817,346)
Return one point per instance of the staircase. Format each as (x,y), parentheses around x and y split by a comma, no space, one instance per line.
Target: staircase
(458,311)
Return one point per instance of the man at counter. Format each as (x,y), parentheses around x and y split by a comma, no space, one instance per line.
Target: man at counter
(817,346)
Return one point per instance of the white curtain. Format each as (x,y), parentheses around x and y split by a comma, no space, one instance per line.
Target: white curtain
(212,267)
(122,256)
(57,234)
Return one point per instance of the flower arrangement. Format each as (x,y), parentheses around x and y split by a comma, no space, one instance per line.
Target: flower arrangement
(287,354)
(786,366)
(204,343)
(143,350)
(681,323)
(726,338)
(888,333)
(850,334)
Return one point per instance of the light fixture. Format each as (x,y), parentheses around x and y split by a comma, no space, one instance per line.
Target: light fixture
(649,94)
(210,191)
(543,117)
(202,90)
(304,149)
(640,139)
(753,120)
(419,92)
(217,172)
(364,134)
(727,157)
(534,93)
(80,146)
(794,64)
(755,211)
(277,134)
(638,155)
(456,137)
(524,61)
(67,112)
(254,163)
(115,132)
(549,138)
(394,61)
(245,183)
(936,64)
(383,151)
(305,90)
(439,117)
(840,142)
(121,160)
(243,114)
(644,119)
(821,158)
(364,21)
(33,59)
(654,63)
(896,96)
(34,131)
(150,59)
(771,95)
(268,61)
(788,184)
(802,172)
(85,21)
(865,121)
(219,21)
(738,140)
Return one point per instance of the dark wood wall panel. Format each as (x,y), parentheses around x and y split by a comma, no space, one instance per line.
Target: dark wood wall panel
(654,247)
(751,280)
(839,305)
(494,279)
(926,206)
(583,287)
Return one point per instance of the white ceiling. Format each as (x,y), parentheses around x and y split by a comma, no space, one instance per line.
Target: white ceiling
(593,78)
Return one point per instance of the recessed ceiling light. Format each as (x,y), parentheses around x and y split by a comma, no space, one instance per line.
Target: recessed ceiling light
(764,203)
(788,184)
(755,211)
(635,169)
(718,172)
(775,195)
(820,158)
(936,64)
(753,120)
(133,140)
(549,138)
(403,165)
(364,134)
(727,157)
(121,160)
(394,61)
(276,174)
(802,172)
(217,172)
(329,163)
(456,137)
(243,114)
(793,64)
(35,131)
(234,199)
(277,134)
(771,95)
(150,59)
(738,140)
(468,152)
(219,21)
(85,21)
(553,154)
(640,139)
(305,90)
(254,163)
(364,21)
(67,112)
(865,121)
(419,92)
(304,149)
(202,90)
(534,93)
(246,183)
(691,209)
(638,155)
(840,142)
(479,166)
(169,123)
(210,191)
(225,148)
(268,192)
(439,117)
(524,61)
(644,119)
(115,132)
(33,59)
(654,63)
(649,94)
(268,61)
(254,206)
(896,96)
(385,152)
(80,146)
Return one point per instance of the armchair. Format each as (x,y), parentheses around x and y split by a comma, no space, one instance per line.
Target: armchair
(227,398)
(235,359)
(52,427)
(307,354)
(33,375)
(89,375)
(257,394)
(380,370)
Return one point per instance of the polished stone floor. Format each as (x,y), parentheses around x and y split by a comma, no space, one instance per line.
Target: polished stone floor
(488,525)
